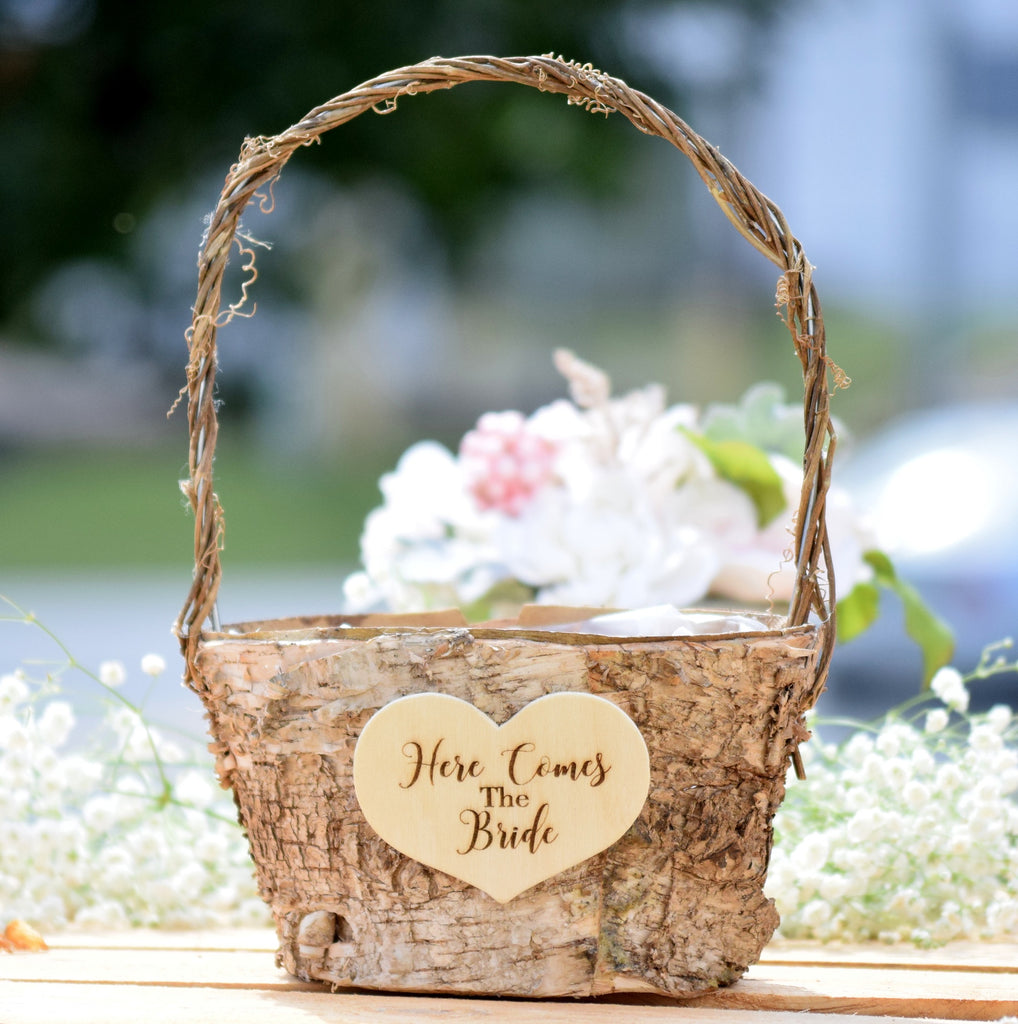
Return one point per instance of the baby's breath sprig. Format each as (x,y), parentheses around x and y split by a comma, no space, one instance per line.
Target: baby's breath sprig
(908,828)
(110,676)
(136,837)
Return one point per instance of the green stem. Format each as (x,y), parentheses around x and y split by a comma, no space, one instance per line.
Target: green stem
(30,619)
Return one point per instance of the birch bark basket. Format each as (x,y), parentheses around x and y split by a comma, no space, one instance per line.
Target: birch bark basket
(676,905)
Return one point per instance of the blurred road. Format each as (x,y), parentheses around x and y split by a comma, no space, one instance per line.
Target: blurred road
(124,616)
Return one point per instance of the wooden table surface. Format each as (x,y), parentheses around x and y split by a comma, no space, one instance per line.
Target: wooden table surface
(165,977)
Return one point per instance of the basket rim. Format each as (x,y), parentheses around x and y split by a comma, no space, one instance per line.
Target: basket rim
(346,627)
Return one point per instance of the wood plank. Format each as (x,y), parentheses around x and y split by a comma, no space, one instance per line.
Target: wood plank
(29,1003)
(236,939)
(950,994)
(986,956)
(210,968)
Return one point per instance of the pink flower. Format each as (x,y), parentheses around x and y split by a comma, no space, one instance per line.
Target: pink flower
(505,463)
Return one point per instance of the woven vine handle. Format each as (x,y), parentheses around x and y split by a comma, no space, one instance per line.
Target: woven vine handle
(754,216)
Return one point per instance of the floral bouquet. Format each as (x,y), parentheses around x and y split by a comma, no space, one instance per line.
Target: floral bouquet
(621,502)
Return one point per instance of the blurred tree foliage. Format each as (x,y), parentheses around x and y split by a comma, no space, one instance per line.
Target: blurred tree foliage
(106,105)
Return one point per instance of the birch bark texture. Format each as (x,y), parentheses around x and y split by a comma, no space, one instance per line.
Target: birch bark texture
(676,906)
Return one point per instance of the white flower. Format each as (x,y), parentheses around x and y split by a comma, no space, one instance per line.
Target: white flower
(858,798)
(360,592)
(859,745)
(13,692)
(17,740)
(923,762)
(194,788)
(985,739)
(597,501)
(816,913)
(833,887)
(865,824)
(112,673)
(212,847)
(961,840)
(54,725)
(897,772)
(153,665)
(936,721)
(949,686)
(107,914)
(189,881)
(100,814)
(641,557)
(949,778)
(999,717)
(986,827)
(916,795)
(811,854)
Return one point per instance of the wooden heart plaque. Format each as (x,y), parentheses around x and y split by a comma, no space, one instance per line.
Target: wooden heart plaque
(501,807)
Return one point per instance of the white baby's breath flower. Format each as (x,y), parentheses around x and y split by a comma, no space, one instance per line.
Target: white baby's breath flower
(811,854)
(888,742)
(897,772)
(833,887)
(946,679)
(923,762)
(999,717)
(936,721)
(865,824)
(189,881)
(112,673)
(213,847)
(986,789)
(874,769)
(949,685)
(916,795)
(961,840)
(985,739)
(17,740)
(985,826)
(194,788)
(13,692)
(55,723)
(252,913)
(99,814)
(857,798)
(107,914)
(857,748)
(816,913)
(153,665)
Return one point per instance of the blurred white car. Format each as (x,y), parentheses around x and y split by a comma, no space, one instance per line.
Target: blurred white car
(941,488)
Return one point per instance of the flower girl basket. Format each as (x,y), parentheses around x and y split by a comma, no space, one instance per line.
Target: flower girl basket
(668,899)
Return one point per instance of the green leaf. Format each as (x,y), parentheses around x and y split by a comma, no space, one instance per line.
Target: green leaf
(922,624)
(761,417)
(857,611)
(882,567)
(748,467)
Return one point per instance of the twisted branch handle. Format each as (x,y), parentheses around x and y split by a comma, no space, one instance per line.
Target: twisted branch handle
(754,216)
